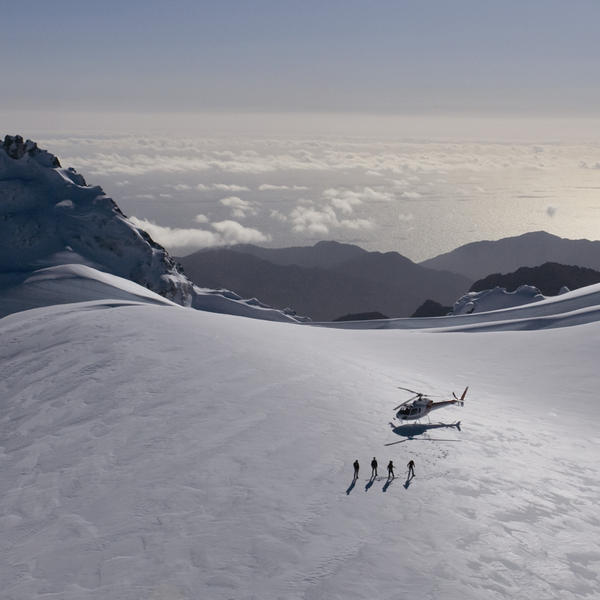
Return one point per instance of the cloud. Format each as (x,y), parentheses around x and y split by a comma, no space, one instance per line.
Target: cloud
(268,187)
(312,220)
(201,219)
(230,187)
(180,187)
(278,216)
(406,217)
(239,208)
(319,221)
(410,195)
(233,232)
(139,164)
(178,238)
(226,233)
(222,187)
(346,199)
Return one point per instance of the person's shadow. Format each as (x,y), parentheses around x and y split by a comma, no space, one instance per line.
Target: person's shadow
(407,482)
(351,486)
(370,483)
(387,484)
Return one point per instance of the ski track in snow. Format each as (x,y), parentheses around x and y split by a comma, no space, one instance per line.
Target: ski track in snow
(158,452)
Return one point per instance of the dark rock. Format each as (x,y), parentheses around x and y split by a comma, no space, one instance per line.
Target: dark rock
(431,308)
(367,316)
(549,278)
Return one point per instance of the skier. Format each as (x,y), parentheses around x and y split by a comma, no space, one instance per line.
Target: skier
(391,470)
(356,467)
(374,467)
(411,468)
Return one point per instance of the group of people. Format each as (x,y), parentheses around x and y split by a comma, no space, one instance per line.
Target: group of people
(410,465)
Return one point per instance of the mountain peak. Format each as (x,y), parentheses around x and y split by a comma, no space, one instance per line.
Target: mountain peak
(478,259)
(50,216)
(16,148)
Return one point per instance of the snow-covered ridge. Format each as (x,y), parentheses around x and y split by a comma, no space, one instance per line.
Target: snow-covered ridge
(496,299)
(50,216)
(568,308)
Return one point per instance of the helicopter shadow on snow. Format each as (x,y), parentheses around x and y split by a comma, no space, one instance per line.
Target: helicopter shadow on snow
(412,431)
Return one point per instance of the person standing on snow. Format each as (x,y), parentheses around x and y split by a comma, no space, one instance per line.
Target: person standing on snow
(374,467)
(356,467)
(391,470)
(411,468)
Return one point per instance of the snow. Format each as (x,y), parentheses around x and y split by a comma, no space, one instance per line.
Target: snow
(154,451)
(495,299)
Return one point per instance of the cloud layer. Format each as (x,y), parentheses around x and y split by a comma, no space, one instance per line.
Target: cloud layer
(418,197)
(225,233)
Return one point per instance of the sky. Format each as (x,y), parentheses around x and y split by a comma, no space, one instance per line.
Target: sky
(407,126)
(395,56)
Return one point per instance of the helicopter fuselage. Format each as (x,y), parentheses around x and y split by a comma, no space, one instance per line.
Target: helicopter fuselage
(419,409)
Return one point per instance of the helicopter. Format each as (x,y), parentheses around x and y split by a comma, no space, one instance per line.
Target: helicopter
(421,405)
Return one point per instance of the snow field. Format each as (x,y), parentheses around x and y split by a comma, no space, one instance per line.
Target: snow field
(159,452)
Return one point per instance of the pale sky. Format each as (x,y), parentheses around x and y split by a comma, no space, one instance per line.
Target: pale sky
(526,57)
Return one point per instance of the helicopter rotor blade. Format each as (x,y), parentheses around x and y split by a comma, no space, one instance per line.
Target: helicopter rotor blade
(421,394)
(406,402)
(407,390)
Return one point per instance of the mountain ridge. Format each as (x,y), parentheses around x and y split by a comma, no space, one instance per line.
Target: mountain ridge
(366,282)
(479,259)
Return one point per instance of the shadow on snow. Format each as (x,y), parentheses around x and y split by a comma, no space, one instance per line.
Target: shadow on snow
(411,431)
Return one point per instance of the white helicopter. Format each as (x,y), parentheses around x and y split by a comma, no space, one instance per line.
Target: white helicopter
(421,405)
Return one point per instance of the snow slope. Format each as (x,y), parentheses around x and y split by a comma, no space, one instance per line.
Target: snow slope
(69,283)
(153,451)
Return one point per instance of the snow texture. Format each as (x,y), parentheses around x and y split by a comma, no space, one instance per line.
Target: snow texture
(154,451)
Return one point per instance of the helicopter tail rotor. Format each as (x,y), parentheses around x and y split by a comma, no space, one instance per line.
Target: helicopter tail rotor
(461,401)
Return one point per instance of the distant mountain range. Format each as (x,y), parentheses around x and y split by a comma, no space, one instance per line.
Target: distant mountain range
(324,281)
(323,255)
(479,259)
(331,279)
